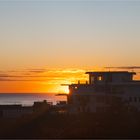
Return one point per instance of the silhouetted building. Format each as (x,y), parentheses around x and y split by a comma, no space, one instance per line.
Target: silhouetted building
(41,106)
(14,111)
(103,90)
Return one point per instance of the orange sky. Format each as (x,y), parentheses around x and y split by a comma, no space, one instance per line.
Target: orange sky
(39,80)
(42,80)
(46,43)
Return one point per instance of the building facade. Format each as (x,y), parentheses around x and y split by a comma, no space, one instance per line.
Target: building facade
(104,90)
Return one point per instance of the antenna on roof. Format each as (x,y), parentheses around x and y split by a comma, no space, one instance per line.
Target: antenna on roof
(130,68)
(108,68)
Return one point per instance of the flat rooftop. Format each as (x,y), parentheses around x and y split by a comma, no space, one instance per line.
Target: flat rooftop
(108,72)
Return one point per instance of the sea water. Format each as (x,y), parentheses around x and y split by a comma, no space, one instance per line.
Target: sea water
(27,99)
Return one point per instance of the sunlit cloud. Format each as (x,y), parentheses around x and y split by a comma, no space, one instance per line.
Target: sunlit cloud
(42,80)
(124,67)
(51,76)
(37,70)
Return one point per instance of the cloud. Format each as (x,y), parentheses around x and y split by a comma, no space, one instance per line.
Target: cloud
(41,75)
(4,75)
(36,70)
(22,76)
(3,79)
(124,67)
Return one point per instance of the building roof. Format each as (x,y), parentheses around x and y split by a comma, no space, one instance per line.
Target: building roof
(109,72)
(10,106)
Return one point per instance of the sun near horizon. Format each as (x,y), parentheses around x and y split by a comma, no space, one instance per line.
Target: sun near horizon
(40,80)
(44,44)
(45,80)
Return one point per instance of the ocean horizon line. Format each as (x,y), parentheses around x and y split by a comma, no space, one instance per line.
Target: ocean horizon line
(28,99)
(31,93)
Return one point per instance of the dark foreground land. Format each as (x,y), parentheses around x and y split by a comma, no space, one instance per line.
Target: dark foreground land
(45,125)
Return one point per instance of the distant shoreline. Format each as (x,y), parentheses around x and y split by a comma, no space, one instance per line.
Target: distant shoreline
(27,93)
(28,98)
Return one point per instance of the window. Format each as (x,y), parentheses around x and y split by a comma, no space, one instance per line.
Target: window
(135,99)
(100,99)
(92,80)
(100,78)
(139,99)
(130,99)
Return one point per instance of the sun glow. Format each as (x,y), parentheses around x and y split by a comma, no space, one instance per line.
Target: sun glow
(40,80)
(63,89)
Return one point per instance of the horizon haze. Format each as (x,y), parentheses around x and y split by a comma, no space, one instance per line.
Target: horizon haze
(44,44)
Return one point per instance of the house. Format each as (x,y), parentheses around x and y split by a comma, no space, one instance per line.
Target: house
(14,111)
(40,106)
(17,110)
(104,89)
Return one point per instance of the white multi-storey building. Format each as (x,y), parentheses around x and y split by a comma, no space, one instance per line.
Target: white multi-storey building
(103,90)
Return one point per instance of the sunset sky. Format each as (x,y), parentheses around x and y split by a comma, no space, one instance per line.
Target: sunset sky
(45,43)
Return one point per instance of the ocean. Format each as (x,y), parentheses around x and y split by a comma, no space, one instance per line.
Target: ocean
(27,99)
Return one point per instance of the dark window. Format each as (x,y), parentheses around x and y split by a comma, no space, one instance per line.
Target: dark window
(109,78)
(135,99)
(100,99)
(130,99)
